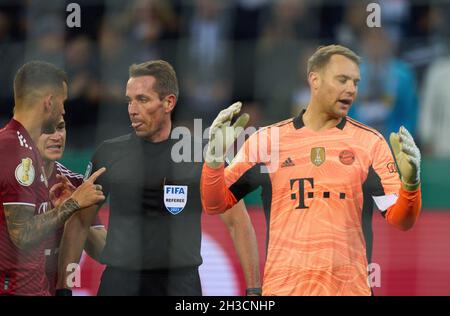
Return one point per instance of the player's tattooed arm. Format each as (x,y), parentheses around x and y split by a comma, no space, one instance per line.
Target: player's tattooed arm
(26,229)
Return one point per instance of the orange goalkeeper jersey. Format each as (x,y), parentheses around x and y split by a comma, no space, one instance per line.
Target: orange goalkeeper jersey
(316,189)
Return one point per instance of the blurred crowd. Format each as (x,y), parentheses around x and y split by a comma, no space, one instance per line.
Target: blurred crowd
(249,50)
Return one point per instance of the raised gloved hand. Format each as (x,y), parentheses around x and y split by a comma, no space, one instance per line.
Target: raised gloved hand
(407,156)
(222,135)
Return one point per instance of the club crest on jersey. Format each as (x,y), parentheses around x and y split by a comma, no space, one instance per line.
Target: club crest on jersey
(175,198)
(318,155)
(347,157)
(25,172)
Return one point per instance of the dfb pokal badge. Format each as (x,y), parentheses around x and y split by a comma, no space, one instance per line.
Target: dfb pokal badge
(25,172)
(175,198)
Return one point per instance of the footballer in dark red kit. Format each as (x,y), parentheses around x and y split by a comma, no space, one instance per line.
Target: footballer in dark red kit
(21,183)
(51,147)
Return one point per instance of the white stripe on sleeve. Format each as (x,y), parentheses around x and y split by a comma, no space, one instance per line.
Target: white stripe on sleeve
(20,203)
(385,201)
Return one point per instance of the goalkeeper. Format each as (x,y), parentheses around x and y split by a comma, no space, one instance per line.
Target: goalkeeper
(320,175)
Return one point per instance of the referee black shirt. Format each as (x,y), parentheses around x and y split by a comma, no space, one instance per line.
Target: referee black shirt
(143,234)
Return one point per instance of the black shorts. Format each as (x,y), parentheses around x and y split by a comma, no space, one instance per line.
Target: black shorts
(174,282)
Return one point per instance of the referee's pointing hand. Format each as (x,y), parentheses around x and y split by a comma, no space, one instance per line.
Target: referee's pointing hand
(89,193)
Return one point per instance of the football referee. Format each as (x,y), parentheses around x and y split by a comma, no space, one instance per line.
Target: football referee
(154,235)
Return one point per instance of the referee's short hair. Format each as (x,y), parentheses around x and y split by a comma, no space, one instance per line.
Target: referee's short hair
(322,56)
(34,76)
(166,78)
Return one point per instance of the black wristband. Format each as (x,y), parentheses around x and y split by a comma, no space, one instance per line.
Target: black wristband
(253,291)
(63,292)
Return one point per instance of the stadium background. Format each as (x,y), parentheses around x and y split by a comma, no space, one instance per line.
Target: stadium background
(254,51)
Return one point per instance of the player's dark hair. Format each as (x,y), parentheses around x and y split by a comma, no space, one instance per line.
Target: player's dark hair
(166,78)
(36,75)
(322,56)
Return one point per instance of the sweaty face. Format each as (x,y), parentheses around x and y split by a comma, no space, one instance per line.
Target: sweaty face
(146,110)
(338,86)
(57,111)
(51,146)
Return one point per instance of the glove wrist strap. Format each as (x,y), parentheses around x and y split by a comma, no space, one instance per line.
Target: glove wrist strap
(411,187)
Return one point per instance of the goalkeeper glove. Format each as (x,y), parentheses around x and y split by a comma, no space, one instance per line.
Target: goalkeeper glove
(222,135)
(407,156)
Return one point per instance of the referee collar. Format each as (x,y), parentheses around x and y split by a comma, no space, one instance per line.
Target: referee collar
(142,140)
(298,121)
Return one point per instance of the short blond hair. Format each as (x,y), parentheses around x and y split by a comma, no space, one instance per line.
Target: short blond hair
(322,56)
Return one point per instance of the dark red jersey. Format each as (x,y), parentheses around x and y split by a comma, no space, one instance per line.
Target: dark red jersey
(22,182)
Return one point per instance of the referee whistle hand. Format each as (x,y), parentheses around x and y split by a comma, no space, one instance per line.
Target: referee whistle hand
(222,134)
(89,193)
